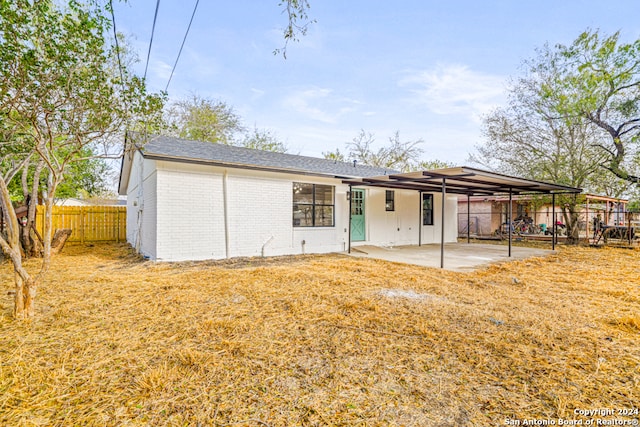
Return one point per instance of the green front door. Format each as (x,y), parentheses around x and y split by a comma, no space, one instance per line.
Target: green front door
(357,216)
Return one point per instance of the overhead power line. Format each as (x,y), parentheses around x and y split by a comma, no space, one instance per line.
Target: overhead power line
(181,46)
(115,37)
(153,30)
(122,83)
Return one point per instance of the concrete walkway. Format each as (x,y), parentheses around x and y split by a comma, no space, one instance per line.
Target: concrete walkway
(457,256)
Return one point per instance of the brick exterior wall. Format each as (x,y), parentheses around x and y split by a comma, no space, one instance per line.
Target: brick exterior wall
(184,214)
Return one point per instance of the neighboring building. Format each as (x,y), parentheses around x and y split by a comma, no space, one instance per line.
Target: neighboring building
(94,201)
(71,201)
(488,213)
(189,200)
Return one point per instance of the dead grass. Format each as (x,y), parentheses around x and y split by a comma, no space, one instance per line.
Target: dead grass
(325,340)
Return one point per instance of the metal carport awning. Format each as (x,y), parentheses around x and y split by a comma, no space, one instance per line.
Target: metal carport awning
(465,181)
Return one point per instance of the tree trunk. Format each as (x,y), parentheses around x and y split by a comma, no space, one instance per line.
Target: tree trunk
(30,299)
(25,237)
(59,239)
(29,244)
(571,220)
(38,244)
(25,240)
(18,298)
(25,286)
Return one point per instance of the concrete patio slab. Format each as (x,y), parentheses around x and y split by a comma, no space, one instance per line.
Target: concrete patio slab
(457,256)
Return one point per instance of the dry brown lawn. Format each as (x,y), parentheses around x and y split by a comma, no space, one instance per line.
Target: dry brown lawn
(321,340)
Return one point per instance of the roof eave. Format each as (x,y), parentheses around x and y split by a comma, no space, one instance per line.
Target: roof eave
(125,165)
(235,165)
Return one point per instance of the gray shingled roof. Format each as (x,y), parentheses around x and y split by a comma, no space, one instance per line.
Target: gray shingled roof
(175,149)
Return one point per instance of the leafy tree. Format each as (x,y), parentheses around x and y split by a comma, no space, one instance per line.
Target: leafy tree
(15,146)
(634,205)
(59,94)
(334,155)
(86,178)
(298,22)
(603,182)
(264,140)
(432,164)
(398,154)
(82,178)
(530,138)
(539,149)
(203,119)
(598,79)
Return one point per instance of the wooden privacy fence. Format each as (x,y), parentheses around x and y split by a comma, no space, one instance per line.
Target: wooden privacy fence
(88,223)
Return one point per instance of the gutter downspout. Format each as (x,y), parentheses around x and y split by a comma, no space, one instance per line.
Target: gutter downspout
(444,197)
(226,213)
(266,243)
(350,205)
(140,201)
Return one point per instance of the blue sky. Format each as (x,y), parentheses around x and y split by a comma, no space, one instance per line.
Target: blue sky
(429,69)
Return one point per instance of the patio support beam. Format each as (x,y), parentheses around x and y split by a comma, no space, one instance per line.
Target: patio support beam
(468,218)
(349,225)
(553,218)
(444,196)
(510,219)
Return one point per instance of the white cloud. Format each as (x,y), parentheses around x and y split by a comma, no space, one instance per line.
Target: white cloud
(257,93)
(319,104)
(456,90)
(160,72)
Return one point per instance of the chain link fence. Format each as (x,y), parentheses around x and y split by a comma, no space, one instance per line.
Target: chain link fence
(597,224)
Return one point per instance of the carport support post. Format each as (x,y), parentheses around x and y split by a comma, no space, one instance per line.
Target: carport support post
(444,196)
(553,218)
(510,219)
(629,227)
(468,218)
(349,225)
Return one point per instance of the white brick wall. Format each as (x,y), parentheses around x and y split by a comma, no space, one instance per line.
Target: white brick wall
(432,233)
(260,205)
(141,206)
(149,214)
(392,228)
(260,212)
(401,226)
(184,215)
(190,220)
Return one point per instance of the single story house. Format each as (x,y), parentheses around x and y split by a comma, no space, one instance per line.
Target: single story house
(190,200)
